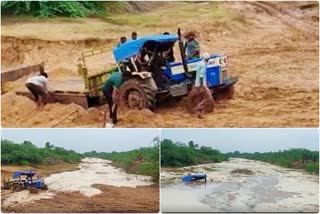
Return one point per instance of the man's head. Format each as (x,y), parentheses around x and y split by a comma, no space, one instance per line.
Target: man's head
(166,33)
(123,39)
(206,57)
(134,35)
(190,35)
(44,74)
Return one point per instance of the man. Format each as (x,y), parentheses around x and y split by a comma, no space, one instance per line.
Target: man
(201,73)
(134,35)
(201,85)
(123,40)
(192,46)
(38,86)
(169,56)
(111,91)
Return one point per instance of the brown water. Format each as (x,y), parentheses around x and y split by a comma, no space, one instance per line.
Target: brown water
(269,189)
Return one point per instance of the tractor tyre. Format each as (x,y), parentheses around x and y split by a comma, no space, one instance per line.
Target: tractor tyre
(224,93)
(135,94)
(17,187)
(44,187)
(200,100)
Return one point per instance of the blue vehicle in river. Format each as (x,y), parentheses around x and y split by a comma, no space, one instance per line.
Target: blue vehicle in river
(150,77)
(25,180)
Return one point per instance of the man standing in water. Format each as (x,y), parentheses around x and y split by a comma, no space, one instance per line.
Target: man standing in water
(111,92)
(38,86)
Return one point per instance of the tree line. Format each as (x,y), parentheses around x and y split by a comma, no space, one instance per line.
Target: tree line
(291,158)
(27,153)
(143,161)
(45,9)
(180,154)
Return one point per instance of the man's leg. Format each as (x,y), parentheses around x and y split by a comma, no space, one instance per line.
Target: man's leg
(114,113)
(107,92)
(32,88)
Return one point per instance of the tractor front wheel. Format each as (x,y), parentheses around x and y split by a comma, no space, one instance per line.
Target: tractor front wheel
(224,93)
(135,94)
(200,100)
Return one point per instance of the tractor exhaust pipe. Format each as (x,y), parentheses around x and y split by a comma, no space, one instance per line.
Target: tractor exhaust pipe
(182,52)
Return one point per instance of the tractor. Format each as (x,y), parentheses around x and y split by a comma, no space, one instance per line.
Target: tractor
(150,76)
(25,180)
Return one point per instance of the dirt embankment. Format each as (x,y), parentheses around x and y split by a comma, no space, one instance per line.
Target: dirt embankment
(112,199)
(272,48)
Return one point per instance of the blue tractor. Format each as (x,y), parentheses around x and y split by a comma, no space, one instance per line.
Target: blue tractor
(25,180)
(151,73)
(194,177)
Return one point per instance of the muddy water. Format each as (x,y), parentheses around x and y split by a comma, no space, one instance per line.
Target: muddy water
(91,171)
(269,189)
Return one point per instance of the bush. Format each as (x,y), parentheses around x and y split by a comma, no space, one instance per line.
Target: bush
(312,168)
(292,158)
(46,9)
(180,154)
(26,153)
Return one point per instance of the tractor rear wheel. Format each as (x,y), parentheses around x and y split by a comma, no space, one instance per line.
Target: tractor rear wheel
(17,187)
(135,94)
(224,93)
(200,100)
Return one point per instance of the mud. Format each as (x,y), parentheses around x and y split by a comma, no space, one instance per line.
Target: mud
(272,48)
(95,187)
(269,189)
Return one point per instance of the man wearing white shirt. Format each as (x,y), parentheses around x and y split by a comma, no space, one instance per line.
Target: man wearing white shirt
(38,86)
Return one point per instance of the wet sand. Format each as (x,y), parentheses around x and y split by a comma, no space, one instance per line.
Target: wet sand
(269,189)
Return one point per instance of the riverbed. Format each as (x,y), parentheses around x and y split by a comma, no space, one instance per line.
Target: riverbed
(269,188)
(91,171)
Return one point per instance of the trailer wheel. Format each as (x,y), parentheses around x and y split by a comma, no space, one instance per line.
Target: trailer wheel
(200,100)
(135,94)
(224,93)
(17,187)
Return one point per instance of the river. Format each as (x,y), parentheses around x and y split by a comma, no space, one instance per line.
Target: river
(269,189)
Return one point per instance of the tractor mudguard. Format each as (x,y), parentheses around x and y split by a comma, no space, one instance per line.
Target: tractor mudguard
(228,82)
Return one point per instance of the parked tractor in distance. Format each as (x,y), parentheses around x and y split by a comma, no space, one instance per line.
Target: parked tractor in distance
(25,180)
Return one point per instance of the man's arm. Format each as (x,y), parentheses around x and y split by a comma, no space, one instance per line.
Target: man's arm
(196,51)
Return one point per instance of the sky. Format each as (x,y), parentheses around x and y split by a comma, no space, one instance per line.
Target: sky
(85,140)
(247,140)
